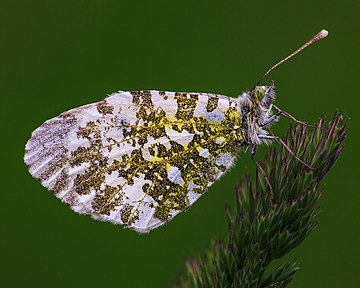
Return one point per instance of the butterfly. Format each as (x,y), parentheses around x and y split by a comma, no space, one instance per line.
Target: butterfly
(139,158)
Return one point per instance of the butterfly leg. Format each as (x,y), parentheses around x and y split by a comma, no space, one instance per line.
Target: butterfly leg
(262,172)
(281,142)
(253,151)
(287,115)
(272,119)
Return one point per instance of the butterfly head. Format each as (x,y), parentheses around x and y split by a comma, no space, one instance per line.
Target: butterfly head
(255,107)
(263,96)
(257,94)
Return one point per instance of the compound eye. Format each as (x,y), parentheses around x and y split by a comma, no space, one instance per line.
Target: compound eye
(260,92)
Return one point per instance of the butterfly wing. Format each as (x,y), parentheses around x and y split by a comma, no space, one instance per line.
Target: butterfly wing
(136,158)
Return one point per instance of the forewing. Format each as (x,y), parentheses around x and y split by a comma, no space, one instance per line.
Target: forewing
(136,158)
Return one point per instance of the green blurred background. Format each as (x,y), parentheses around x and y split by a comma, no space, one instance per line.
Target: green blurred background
(57,55)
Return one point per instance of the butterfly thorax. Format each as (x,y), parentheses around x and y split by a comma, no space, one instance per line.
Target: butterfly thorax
(255,110)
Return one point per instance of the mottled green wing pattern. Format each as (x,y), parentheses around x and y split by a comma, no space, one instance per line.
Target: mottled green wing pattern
(136,158)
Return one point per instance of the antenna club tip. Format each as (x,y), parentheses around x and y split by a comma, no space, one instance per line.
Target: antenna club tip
(323,33)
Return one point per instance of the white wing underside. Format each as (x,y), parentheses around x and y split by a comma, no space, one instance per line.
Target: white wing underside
(108,159)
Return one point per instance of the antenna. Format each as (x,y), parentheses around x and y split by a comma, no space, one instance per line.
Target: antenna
(322,34)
